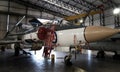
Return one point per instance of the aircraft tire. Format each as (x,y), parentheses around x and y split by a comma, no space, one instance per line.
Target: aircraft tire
(100,54)
(67,60)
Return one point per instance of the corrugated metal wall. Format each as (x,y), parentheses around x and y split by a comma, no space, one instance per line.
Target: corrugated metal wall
(2,25)
(16,12)
(109,19)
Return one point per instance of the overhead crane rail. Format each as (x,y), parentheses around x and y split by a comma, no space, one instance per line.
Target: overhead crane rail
(78,16)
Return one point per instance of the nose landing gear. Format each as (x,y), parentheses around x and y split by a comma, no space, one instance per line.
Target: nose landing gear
(67,60)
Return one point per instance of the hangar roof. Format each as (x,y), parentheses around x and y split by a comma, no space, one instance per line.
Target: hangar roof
(62,8)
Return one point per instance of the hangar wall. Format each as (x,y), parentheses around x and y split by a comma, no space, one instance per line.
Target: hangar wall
(2,25)
(109,19)
(16,12)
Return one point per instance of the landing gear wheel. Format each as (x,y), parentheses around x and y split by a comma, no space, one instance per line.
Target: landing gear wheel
(100,54)
(67,59)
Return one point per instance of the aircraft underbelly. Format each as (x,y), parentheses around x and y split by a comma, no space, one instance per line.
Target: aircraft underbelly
(106,46)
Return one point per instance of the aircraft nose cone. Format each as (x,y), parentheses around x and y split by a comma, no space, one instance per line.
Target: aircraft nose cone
(96,33)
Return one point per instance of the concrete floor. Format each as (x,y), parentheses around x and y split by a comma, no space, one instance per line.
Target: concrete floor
(36,63)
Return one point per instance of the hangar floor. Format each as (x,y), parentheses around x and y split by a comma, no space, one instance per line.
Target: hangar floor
(36,63)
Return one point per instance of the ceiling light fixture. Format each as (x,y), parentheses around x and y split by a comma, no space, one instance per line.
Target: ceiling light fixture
(116,11)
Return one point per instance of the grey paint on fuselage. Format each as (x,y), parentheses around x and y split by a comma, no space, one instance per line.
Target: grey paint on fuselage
(109,44)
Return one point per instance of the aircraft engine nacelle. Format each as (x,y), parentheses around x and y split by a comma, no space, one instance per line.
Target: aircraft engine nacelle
(45,34)
(42,33)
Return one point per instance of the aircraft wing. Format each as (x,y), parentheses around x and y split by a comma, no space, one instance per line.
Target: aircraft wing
(113,38)
(2,42)
(25,32)
(109,44)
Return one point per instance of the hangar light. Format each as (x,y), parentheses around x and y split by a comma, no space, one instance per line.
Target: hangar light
(81,20)
(116,11)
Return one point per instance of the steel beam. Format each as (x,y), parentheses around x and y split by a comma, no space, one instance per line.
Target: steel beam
(26,3)
(78,16)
